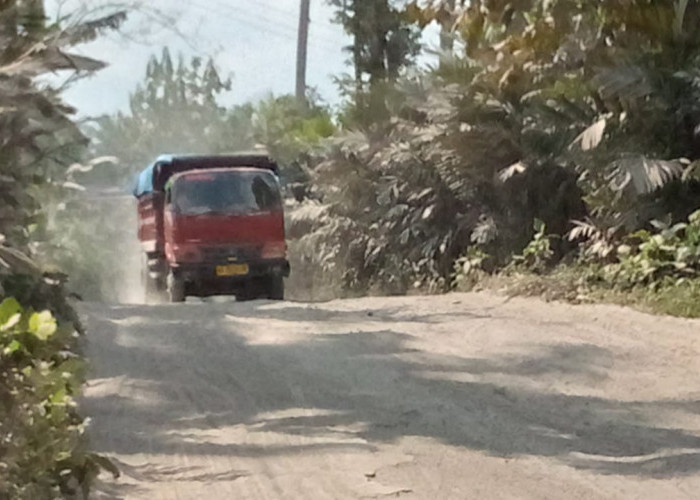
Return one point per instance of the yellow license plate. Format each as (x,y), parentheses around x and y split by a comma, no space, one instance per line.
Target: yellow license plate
(232,270)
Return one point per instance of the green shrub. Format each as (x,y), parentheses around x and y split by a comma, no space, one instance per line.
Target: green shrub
(537,255)
(469,269)
(42,443)
(655,271)
(654,259)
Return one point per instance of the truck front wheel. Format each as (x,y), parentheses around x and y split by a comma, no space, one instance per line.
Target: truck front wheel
(175,287)
(275,288)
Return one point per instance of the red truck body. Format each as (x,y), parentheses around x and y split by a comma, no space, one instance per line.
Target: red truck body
(212,225)
(150,220)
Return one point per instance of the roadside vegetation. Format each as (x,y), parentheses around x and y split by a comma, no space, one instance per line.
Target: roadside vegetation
(552,150)
(549,139)
(656,271)
(43,451)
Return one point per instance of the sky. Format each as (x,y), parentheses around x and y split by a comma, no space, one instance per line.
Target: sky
(254,41)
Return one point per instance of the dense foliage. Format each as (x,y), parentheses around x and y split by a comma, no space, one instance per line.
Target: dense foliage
(42,445)
(583,115)
(42,450)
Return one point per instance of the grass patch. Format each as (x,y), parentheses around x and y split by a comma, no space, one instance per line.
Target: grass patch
(581,284)
(680,300)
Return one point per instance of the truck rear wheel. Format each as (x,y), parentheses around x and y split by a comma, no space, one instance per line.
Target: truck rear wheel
(175,287)
(151,291)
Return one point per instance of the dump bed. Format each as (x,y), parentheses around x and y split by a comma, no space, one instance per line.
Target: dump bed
(156,175)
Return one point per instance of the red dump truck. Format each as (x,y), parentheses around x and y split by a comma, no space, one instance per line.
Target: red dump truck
(212,225)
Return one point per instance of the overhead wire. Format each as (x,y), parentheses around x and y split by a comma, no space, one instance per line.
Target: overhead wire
(288,15)
(314,26)
(268,6)
(268,30)
(265,29)
(318,31)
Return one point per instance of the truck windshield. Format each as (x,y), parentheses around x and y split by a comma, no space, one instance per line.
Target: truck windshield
(234,192)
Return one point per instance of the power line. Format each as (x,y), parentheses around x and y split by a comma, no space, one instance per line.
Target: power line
(288,15)
(274,8)
(264,25)
(270,29)
(267,29)
(265,18)
(334,47)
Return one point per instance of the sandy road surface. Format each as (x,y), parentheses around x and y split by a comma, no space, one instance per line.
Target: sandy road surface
(456,397)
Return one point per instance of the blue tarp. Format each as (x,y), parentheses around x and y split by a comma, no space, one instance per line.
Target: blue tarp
(144,181)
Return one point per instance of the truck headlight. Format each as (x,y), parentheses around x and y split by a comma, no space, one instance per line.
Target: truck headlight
(187,253)
(274,250)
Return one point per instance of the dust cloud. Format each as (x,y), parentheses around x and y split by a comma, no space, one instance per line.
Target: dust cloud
(127,289)
(107,266)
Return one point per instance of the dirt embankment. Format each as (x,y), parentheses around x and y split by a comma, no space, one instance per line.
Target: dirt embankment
(451,397)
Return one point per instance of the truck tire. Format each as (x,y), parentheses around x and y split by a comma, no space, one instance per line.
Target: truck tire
(175,287)
(151,292)
(246,294)
(275,288)
(149,285)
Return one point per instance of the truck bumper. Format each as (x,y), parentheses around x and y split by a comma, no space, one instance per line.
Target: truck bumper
(204,277)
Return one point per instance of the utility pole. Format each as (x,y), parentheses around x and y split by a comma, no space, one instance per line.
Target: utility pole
(446,34)
(302,50)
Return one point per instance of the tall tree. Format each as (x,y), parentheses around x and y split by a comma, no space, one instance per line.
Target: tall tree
(176,109)
(384,43)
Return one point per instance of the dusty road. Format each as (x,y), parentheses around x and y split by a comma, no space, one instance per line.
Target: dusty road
(457,397)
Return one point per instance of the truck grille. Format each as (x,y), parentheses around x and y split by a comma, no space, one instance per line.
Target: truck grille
(230,253)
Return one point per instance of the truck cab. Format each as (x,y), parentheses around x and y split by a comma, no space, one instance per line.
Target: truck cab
(212,226)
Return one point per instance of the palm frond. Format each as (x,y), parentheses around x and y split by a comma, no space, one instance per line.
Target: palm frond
(45,59)
(89,30)
(508,173)
(592,136)
(644,175)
